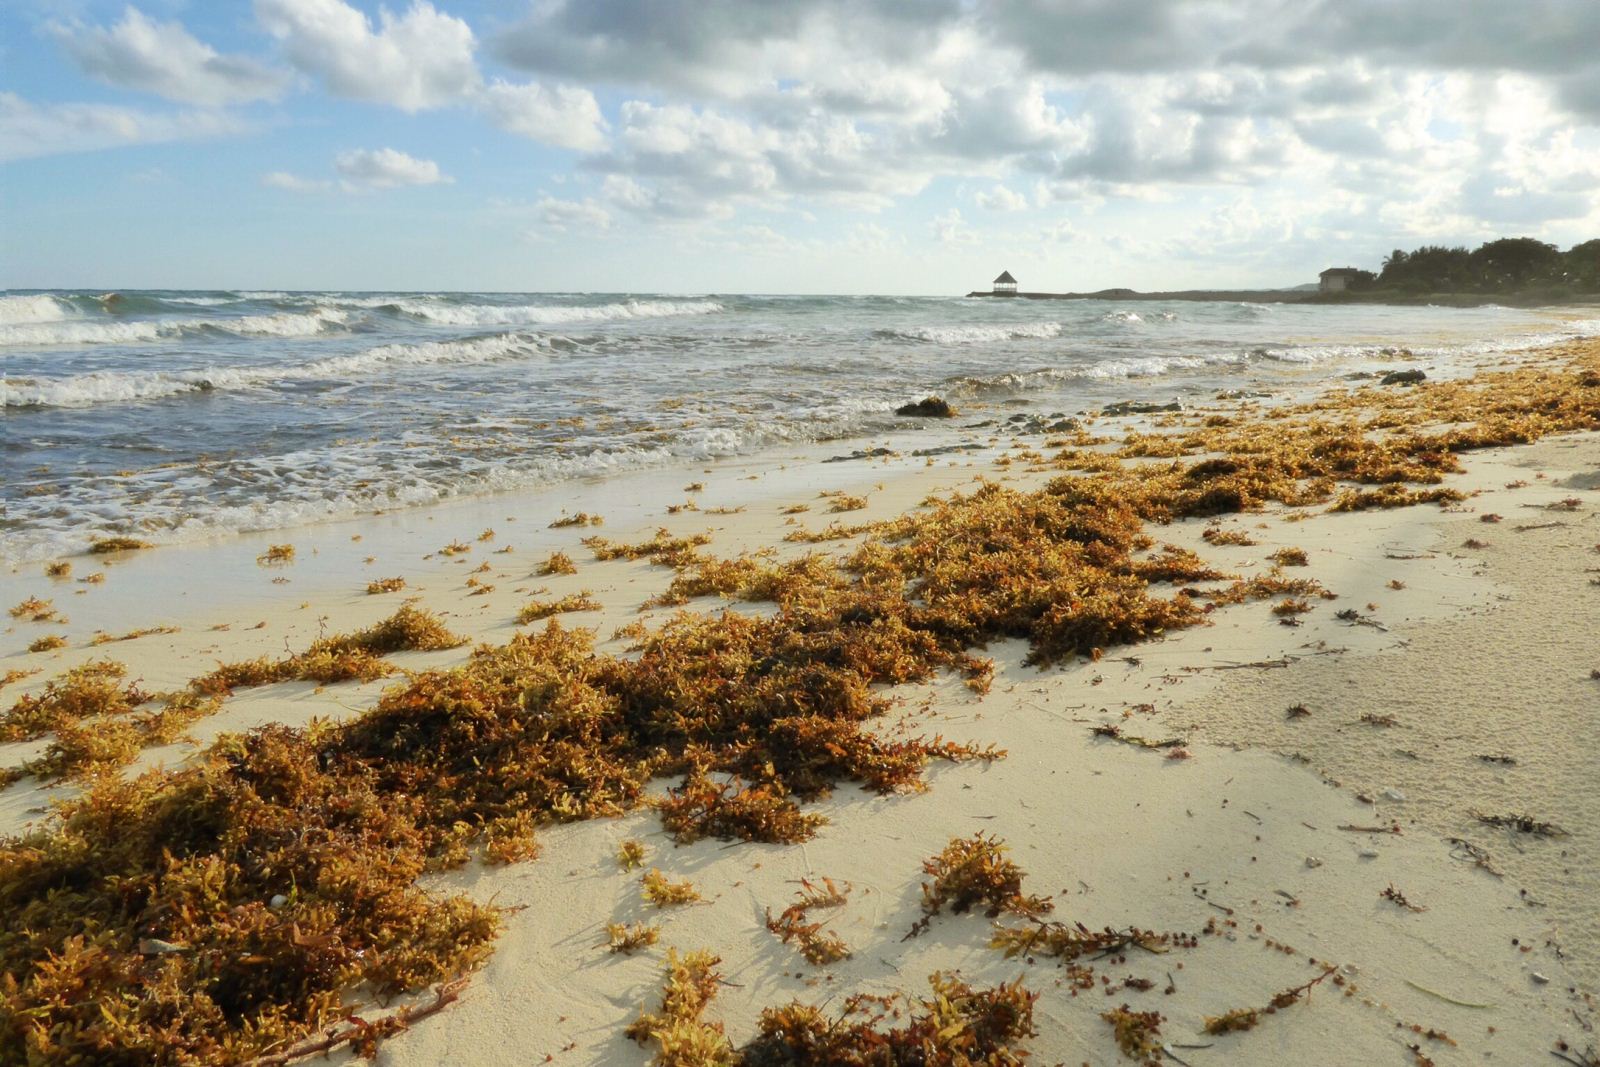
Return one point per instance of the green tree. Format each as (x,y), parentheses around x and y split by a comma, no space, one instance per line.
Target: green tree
(1582,265)
(1513,262)
(1431,268)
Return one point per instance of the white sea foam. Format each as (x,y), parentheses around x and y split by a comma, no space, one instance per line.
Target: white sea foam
(547,314)
(204,301)
(358,477)
(110,387)
(967,335)
(1149,366)
(142,331)
(1105,370)
(31,309)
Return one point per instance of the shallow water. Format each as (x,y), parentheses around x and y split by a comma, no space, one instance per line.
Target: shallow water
(174,415)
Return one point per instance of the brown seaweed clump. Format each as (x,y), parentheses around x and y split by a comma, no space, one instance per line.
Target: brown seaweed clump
(212,914)
(534,610)
(681,1038)
(276,555)
(665,893)
(34,609)
(662,548)
(628,939)
(1240,1019)
(1069,942)
(107,545)
(1138,1034)
(86,749)
(819,947)
(96,722)
(956,1026)
(556,563)
(340,658)
(734,810)
(582,518)
(974,871)
(95,690)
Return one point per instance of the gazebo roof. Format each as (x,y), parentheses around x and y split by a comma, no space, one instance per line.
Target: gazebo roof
(1005,277)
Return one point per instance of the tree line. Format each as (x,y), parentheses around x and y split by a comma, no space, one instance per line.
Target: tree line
(1511,264)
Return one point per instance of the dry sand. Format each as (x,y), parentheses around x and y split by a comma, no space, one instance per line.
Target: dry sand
(1483,652)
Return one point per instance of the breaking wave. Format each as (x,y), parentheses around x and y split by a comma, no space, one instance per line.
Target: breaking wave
(142,331)
(967,335)
(111,387)
(31,309)
(545,314)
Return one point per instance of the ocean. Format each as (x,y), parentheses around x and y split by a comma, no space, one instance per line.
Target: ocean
(176,415)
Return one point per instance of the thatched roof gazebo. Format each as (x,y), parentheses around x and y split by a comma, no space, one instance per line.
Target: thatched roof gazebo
(1005,285)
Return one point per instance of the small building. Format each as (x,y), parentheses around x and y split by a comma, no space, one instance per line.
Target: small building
(1005,285)
(1337,279)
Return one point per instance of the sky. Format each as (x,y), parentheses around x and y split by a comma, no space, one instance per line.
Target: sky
(806,146)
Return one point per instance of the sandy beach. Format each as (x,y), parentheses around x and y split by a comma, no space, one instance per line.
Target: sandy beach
(1387,790)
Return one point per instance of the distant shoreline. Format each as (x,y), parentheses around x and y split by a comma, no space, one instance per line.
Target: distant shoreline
(1291,296)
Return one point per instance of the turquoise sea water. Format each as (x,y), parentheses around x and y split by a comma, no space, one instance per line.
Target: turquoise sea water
(175,414)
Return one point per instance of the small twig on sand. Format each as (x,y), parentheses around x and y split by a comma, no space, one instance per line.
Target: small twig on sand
(1260,664)
(1525,823)
(1479,855)
(1441,996)
(364,1033)
(1393,828)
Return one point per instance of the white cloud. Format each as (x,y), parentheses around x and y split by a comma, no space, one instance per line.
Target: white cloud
(1368,108)
(564,116)
(163,58)
(28,129)
(384,168)
(675,161)
(1000,199)
(362,170)
(950,229)
(281,179)
(1333,119)
(421,59)
(585,214)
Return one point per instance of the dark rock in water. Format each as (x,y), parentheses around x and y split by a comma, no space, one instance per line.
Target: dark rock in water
(1402,377)
(946,449)
(1139,407)
(1041,424)
(1360,376)
(861,453)
(928,408)
(978,425)
(1016,403)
